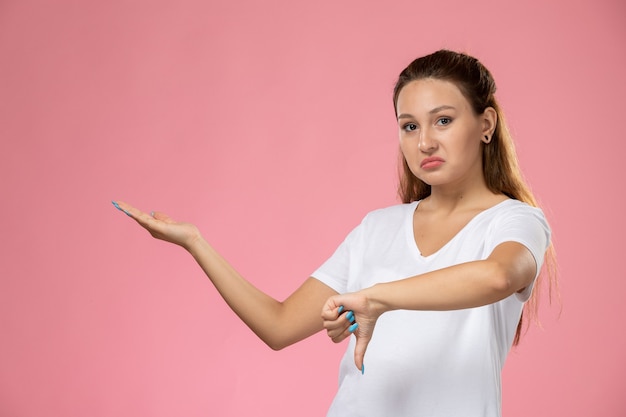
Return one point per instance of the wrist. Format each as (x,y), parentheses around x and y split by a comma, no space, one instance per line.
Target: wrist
(376,299)
(195,244)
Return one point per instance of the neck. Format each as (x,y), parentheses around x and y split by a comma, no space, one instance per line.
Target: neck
(450,197)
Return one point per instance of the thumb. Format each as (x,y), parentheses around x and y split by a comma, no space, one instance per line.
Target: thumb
(359,351)
(162,217)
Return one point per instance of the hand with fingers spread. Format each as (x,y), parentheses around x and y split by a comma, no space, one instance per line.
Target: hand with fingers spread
(162,227)
(352,313)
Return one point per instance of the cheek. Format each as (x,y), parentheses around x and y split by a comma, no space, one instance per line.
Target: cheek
(408,147)
(468,142)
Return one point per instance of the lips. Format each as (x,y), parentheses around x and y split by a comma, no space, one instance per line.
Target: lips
(431,162)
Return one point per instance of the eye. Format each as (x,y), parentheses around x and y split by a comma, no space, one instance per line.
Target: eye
(409,127)
(443,121)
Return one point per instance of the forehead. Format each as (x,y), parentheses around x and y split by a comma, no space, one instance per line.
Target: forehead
(428,93)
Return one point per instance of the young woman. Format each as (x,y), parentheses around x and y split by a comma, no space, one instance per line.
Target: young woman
(432,289)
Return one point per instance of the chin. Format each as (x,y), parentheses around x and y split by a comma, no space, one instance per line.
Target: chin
(431,179)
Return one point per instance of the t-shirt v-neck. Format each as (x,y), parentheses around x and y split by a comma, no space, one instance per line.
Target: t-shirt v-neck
(412,242)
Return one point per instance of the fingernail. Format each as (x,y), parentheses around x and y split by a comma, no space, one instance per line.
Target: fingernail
(350,315)
(353,327)
(152,214)
(117,206)
(340,309)
(363,369)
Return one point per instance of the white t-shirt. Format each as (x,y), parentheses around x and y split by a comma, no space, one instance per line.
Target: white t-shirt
(429,363)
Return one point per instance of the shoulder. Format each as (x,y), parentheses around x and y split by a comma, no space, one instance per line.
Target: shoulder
(514,220)
(510,220)
(515,210)
(385,221)
(395,213)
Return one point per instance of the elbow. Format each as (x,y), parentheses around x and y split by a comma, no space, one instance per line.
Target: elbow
(276,344)
(502,282)
(511,269)
(510,279)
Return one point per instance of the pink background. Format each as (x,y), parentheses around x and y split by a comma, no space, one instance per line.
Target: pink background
(270,125)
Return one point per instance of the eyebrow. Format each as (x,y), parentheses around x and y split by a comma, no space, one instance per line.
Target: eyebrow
(435,110)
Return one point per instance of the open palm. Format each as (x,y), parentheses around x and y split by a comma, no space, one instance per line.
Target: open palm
(161,226)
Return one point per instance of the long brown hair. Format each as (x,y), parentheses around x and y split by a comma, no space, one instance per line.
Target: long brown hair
(500,167)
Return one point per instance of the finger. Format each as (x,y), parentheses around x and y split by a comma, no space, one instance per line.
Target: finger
(141,217)
(346,332)
(359,351)
(341,328)
(331,313)
(337,329)
(145,220)
(332,321)
(162,217)
(339,334)
(129,210)
(341,337)
(121,207)
(331,305)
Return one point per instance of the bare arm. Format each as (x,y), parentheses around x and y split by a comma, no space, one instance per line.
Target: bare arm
(509,269)
(278,324)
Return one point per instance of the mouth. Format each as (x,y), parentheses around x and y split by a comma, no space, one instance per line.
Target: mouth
(431,162)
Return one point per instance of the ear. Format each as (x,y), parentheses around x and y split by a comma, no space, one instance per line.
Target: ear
(489,120)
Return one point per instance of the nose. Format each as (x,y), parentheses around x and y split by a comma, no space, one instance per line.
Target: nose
(426,143)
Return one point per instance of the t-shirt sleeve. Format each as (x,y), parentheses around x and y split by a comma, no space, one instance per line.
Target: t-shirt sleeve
(336,270)
(528,226)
